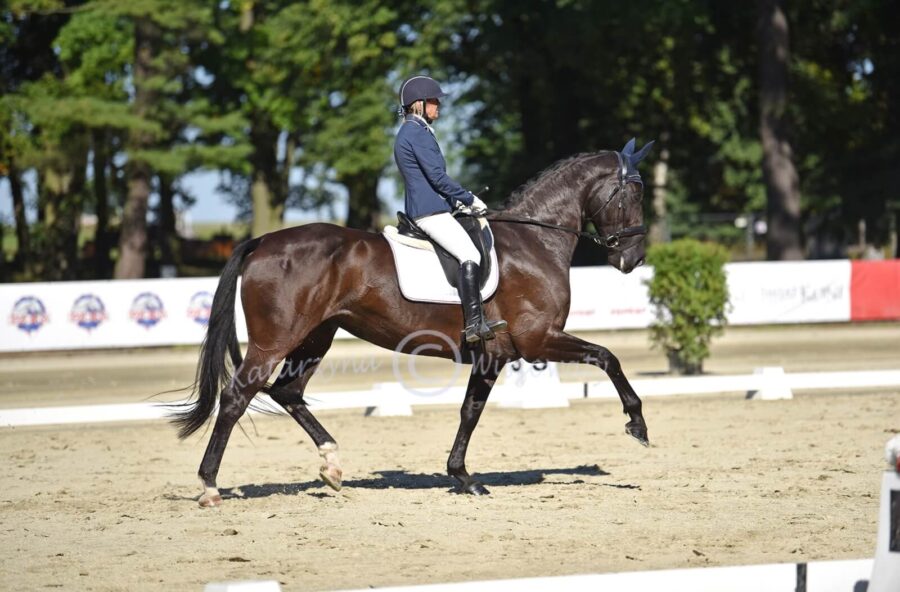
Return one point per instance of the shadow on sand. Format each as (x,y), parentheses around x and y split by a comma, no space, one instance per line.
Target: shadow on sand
(399,479)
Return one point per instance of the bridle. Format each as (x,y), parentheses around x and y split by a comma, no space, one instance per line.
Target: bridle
(610,241)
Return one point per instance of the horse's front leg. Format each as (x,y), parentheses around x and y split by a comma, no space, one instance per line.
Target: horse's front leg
(562,347)
(484,374)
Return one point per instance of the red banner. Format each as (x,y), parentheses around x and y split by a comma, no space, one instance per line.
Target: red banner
(875,290)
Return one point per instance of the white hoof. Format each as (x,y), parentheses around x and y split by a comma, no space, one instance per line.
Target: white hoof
(210,498)
(330,472)
(331,475)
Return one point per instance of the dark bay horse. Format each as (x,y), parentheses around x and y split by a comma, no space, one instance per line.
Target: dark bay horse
(299,285)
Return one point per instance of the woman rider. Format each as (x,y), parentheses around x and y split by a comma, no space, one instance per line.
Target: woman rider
(431,195)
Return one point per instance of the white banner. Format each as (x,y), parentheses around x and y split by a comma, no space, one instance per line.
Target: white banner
(139,313)
(606,298)
(102,314)
(789,292)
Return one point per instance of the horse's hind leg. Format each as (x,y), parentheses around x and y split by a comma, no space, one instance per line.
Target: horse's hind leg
(288,390)
(249,378)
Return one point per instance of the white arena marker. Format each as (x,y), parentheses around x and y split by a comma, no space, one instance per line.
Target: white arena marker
(82,414)
(391,400)
(244,586)
(886,570)
(771,386)
(533,386)
(843,576)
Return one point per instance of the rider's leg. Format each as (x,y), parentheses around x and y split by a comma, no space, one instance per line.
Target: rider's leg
(447,232)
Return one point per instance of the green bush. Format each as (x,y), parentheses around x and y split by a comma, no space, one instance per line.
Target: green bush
(690,294)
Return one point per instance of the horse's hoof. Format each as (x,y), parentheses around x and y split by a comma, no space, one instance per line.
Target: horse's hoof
(476,488)
(331,475)
(210,500)
(639,433)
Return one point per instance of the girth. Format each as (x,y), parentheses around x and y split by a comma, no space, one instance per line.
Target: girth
(480,237)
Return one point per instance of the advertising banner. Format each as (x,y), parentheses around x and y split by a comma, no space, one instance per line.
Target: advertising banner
(789,292)
(140,313)
(102,314)
(875,290)
(605,298)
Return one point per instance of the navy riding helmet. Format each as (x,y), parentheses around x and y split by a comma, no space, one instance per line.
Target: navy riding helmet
(419,88)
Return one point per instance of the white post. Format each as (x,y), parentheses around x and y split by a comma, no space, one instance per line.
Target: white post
(886,570)
(772,384)
(533,386)
(243,586)
(393,400)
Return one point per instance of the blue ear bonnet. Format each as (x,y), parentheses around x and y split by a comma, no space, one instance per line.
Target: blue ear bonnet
(630,159)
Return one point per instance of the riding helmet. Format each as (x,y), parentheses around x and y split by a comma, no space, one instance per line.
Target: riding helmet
(419,88)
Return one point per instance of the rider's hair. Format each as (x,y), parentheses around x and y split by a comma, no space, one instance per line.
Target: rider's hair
(416,108)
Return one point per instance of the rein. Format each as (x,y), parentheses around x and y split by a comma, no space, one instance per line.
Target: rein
(610,241)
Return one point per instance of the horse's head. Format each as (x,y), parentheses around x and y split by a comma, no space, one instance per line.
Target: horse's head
(616,210)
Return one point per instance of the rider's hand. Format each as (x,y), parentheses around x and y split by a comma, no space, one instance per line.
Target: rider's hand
(478,206)
(463,208)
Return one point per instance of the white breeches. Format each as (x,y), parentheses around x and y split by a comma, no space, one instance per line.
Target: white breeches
(447,232)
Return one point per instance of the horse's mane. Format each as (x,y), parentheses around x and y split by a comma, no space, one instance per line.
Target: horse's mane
(543,177)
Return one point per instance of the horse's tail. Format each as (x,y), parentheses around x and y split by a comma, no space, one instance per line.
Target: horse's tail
(213,372)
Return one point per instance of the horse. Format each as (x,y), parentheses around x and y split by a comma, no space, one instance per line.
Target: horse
(300,285)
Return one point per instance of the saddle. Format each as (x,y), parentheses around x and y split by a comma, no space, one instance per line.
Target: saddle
(477,229)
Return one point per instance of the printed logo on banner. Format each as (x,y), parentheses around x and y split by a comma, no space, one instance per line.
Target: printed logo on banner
(200,307)
(29,314)
(88,312)
(147,310)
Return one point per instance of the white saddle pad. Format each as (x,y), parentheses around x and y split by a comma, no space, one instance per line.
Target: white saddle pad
(420,273)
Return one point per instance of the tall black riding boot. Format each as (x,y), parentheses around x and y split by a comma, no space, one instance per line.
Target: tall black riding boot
(475,327)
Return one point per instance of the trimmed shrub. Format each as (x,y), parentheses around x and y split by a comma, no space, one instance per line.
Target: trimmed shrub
(690,295)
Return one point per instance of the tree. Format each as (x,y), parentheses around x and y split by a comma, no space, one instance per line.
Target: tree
(29,60)
(160,28)
(782,182)
(260,100)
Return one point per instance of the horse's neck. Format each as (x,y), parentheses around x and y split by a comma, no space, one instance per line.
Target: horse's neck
(557,197)
(563,208)
(557,201)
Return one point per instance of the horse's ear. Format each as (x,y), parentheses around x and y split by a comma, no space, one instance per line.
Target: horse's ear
(628,150)
(642,153)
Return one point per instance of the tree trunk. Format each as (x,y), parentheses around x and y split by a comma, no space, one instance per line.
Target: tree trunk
(364,208)
(659,230)
(782,182)
(268,203)
(101,206)
(133,235)
(63,190)
(3,277)
(23,248)
(167,232)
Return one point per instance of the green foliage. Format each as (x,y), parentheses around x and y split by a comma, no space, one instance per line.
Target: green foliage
(690,294)
(257,89)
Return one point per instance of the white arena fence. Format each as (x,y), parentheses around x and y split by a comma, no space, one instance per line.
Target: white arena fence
(141,313)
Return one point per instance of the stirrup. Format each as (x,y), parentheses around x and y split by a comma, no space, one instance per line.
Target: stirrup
(474,334)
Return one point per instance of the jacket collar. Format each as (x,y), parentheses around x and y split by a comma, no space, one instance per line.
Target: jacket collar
(419,120)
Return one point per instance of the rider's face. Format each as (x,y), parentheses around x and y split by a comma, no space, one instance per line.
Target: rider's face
(432,109)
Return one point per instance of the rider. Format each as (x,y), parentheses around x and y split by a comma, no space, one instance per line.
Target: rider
(431,195)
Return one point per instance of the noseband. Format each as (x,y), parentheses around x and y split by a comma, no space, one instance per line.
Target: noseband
(611,241)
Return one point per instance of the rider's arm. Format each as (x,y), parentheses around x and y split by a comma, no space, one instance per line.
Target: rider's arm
(430,159)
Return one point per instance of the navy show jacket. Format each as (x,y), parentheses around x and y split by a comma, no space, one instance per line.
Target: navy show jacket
(429,190)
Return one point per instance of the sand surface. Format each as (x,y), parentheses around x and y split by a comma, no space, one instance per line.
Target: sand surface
(727,481)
